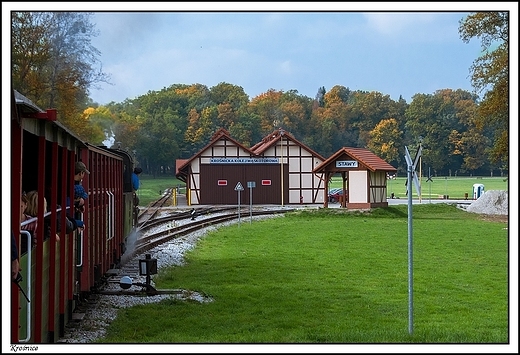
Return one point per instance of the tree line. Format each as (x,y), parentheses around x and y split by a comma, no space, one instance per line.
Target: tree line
(55,65)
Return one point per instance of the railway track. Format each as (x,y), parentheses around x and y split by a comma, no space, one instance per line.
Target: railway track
(167,229)
(150,212)
(203,219)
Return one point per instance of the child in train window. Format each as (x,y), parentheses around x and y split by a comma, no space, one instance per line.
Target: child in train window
(27,223)
(32,211)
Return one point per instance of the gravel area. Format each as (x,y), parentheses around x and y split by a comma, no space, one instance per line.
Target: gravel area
(99,314)
(492,202)
(103,311)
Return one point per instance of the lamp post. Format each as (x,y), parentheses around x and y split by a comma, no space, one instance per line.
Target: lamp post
(147,267)
(420,168)
(282,132)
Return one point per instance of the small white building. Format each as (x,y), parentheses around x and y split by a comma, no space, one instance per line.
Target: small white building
(363,174)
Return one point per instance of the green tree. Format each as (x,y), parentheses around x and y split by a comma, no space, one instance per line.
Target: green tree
(367,110)
(230,94)
(442,119)
(319,97)
(490,74)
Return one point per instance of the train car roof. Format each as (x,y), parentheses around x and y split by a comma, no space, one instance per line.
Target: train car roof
(24,104)
(32,115)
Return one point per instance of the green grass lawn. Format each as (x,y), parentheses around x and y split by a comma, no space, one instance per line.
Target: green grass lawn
(152,188)
(454,187)
(331,276)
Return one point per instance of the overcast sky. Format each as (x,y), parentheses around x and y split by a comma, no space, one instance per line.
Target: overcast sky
(416,49)
(393,53)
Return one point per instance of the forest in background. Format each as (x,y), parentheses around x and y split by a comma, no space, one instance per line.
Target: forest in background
(54,65)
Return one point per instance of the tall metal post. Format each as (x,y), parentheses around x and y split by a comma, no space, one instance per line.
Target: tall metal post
(410,252)
(250,203)
(430,180)
(281,161)
(239,188)
(420,176)
(239,208)
(412,176)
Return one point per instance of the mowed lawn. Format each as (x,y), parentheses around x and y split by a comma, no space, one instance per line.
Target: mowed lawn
(329,276)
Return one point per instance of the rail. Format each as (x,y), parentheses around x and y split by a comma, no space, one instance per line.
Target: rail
(149,213)
(150,241)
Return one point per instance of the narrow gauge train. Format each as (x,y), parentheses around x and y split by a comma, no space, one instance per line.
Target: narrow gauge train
(58,275)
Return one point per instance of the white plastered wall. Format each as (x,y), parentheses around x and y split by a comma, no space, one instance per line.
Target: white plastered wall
(357,186)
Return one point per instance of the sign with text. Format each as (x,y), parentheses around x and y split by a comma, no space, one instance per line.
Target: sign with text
(244,160)
(346,164)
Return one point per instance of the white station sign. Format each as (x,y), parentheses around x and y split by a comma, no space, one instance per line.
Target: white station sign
(346,164)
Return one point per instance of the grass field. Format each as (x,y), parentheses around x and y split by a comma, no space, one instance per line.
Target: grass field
(330,276)
(454,187)
(152,188)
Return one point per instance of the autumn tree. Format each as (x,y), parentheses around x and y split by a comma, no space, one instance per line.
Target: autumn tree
(386,140)
(30,53)
(200,127)
(267,107)
(368,109)
(490,74)
(54,63)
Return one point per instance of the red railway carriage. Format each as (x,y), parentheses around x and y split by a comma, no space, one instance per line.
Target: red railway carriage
(58,275)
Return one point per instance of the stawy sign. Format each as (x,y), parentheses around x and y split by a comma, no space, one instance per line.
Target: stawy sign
(346,164)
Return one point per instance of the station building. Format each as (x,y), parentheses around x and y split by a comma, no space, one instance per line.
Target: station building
(280,170)
(277,170)
(363,176)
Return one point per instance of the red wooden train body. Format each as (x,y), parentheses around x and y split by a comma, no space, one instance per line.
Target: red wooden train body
(59,275)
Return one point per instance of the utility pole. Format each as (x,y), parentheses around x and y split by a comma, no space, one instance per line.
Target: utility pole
(281,161)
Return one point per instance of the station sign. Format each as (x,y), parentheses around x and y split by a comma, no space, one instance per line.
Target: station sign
(244,160)
(346,164)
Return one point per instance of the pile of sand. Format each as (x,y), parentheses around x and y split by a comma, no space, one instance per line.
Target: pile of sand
(491,202)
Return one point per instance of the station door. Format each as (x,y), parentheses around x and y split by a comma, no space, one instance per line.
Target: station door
(267,178)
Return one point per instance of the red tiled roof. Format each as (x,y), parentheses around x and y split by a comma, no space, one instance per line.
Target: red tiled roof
(179,163)
(272,139)
(256,150)
(219,134)
(371,161)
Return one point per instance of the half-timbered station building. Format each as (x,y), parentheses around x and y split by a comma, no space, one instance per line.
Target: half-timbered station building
(278,170)
(363,175)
